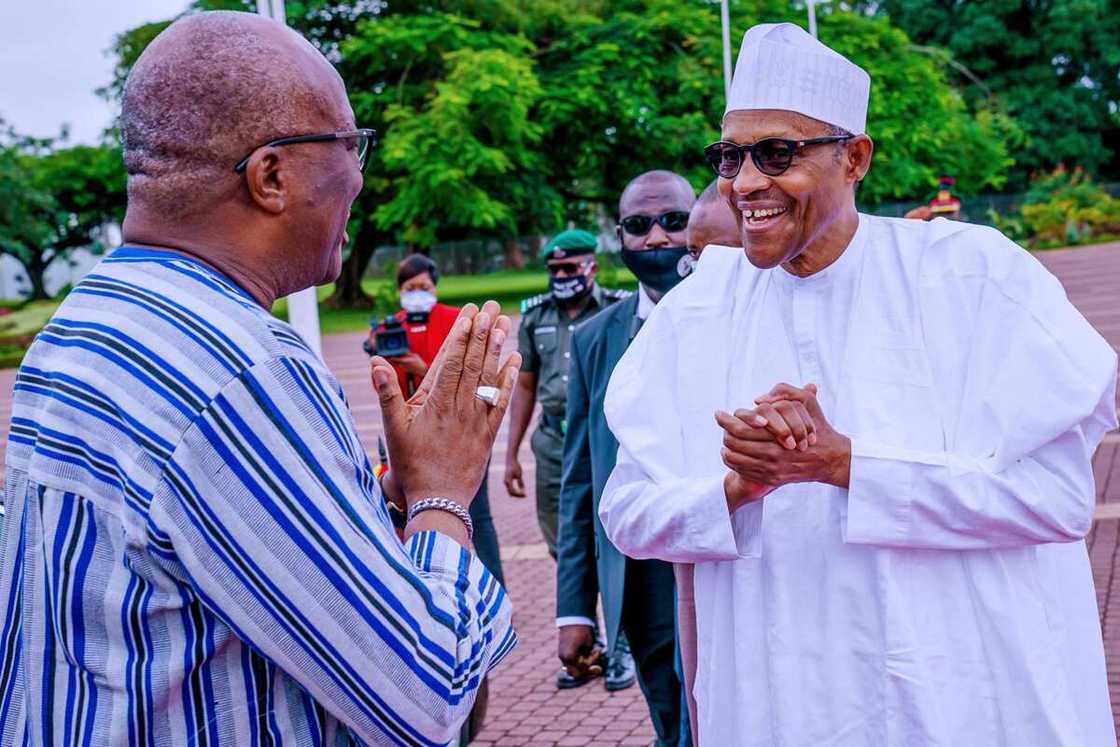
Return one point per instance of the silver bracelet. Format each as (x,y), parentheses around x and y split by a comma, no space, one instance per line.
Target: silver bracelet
(443,504)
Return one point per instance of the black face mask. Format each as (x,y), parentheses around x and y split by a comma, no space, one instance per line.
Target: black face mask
(568,291)
(659,269)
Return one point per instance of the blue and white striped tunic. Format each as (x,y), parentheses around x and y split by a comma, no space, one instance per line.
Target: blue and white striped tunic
(195,550)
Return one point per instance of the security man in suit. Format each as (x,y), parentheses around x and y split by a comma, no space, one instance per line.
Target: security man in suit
(547,323)
(638,595)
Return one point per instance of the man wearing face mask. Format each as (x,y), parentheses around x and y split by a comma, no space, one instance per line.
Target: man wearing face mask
(637,594)
(547,323)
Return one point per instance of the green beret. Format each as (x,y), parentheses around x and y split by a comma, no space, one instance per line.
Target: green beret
(568,243)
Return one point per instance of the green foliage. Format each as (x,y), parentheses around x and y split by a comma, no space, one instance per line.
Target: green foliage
(1066,208)
(11,356)
(920,124)
(55,199)
(471,139)
(509,118)
(1054,66)
(386,296)
(1010,225)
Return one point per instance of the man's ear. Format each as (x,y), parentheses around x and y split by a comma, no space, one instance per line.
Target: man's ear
(618,232)
(858,157)
(267,180)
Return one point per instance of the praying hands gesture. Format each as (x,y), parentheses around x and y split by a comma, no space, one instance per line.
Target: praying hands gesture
(439,440)
(785,439)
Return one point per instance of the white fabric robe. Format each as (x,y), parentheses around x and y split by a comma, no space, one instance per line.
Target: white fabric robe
(945,597)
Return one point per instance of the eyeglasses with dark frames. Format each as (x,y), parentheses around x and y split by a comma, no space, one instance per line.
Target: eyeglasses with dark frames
(640,225)
(772,156)
(361,137)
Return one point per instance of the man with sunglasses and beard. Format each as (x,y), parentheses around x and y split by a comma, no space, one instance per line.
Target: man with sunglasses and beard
(873,438)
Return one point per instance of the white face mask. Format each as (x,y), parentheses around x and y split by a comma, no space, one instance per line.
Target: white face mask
(418,301)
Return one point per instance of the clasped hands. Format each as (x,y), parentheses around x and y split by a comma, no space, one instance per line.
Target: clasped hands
(784,439)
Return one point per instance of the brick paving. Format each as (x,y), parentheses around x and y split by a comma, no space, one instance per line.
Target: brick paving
(525,706)
(526,709)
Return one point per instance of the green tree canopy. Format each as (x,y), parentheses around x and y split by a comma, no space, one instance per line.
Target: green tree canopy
(1053,64)
(506,118)
(55,199)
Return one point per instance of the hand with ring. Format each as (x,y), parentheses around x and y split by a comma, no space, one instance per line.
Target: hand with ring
(440,439)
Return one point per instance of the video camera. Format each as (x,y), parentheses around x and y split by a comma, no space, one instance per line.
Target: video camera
(392,339)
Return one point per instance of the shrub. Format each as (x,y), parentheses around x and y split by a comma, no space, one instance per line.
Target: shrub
(1066,208)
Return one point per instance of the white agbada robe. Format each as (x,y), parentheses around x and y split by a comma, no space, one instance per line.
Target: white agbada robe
(945,597)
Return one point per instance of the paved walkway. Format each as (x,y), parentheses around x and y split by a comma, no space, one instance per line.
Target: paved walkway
(525,707)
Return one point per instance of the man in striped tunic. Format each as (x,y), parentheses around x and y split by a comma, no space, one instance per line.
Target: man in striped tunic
(195,549)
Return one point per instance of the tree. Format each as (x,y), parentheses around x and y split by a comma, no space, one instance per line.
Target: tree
(499,119)
(1054,65)
(54,200)
(921,125)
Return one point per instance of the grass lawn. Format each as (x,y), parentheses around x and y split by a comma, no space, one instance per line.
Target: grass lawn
(507,287)
(28,320)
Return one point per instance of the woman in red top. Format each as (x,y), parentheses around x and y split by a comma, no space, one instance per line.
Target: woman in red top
(427,324)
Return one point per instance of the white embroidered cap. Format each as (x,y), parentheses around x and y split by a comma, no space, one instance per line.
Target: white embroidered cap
(781,66)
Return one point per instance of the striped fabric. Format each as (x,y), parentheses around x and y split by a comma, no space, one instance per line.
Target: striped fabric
(194,549)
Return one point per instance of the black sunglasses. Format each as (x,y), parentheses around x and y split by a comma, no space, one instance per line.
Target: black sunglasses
(640,225)
(772,156)
(362,140)
(569,268)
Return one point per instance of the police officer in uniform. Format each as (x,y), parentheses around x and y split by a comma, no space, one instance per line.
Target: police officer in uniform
(547,323)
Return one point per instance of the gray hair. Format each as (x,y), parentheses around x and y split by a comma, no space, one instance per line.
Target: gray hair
(205,92)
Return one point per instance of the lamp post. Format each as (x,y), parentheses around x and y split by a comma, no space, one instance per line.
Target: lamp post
(303,306)
(812,8)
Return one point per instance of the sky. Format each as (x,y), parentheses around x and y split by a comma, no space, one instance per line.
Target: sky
(54,54)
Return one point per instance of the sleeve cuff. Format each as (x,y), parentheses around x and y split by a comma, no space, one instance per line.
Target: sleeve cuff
(574,620)
(709,525)
(879,495)
(433,552)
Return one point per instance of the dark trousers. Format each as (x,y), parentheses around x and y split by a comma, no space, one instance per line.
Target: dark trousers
(547,443)
(648,620)
(485,536)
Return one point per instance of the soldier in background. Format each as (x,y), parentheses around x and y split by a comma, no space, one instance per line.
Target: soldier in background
(547,323)
(944,204)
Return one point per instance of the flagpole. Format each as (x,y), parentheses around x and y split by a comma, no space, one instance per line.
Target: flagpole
(724,18)
(303,306)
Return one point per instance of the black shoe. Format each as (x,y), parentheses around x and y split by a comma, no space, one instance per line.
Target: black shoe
(620,668)
(565,681)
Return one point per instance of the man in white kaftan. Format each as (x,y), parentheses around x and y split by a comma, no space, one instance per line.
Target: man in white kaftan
(913,573)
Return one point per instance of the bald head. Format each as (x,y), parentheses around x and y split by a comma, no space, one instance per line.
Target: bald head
(712,222)
(659,185)
(208,90)
(652,195)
